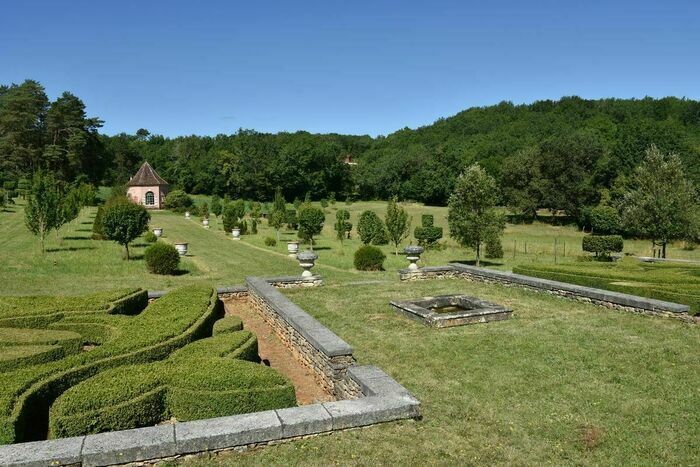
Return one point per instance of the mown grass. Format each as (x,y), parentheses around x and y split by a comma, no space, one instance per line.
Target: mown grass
(560,383)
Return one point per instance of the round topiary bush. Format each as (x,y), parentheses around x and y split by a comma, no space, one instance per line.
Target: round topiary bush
(494,248)
(150,237)
(162,258)
(269,241)
(369,258)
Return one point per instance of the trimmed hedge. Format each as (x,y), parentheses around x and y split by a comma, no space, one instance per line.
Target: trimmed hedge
(427,234)
(369,258)
(162,258)
(208,378)
(167,324)
(227,324)
(602,245)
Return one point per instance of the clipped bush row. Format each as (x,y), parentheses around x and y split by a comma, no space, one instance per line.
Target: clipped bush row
(205,379)
(171,322)
(227,324)
(602,245)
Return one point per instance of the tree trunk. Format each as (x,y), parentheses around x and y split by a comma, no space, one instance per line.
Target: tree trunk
(127,251)
(663,249)
(478,248)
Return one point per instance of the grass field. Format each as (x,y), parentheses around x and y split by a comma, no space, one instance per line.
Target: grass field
(562,382)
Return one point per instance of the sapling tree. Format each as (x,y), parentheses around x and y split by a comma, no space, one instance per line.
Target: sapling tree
(216,205)
(472,216)
(398,224)
(43,210)
(663,203)
(311,221)
(342,224)
(123,221)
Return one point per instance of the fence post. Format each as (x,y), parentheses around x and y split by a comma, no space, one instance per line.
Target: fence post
(555,250)
(514,248)
(525,247)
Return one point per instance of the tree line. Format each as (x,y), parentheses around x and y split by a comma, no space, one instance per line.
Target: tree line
(565,155)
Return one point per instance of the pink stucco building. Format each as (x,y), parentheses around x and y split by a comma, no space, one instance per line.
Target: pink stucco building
(147,188)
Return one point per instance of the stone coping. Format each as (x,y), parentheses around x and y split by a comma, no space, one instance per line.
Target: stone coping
(322,338)
(617,298)
(601,295)
(384,400)
(481,311)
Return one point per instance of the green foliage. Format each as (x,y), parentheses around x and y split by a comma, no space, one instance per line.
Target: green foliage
(290,217)
(269,241)
(494,248)
(427,234)
(331,197)
(150,237)
(296,202)
(605,220)
(179,201)
(98,230)
(311,221)
(472,216)
(233,216)
(369,258)
(162,258)
(371,229)
(216,206)
(662,204)
(324,203)
(342,226)
(204,211)
(227,324)
(398,225)
(125,221)
(602,245)
(43,211)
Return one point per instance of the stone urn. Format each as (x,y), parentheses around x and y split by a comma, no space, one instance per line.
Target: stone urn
(293,248)
(187,214)
(158,231)
(205,223)
(413,253)
(307,259)
(181,248)
(236,233)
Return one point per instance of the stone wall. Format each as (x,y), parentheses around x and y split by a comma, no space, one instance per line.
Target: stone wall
(606,298)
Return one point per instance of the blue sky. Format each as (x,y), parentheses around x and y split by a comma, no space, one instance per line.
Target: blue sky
(205,67)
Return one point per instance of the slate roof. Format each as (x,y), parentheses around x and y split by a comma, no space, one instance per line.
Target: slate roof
(146,176)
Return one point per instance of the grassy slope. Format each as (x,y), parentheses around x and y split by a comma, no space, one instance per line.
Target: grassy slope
(517,392)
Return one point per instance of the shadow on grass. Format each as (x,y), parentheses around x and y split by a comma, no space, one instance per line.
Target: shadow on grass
(76,238)
(70,248)
(83,230)
(472,262)
(87,223)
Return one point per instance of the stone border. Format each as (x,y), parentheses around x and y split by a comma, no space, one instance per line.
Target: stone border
(606,298)
(418,309)
(372,397)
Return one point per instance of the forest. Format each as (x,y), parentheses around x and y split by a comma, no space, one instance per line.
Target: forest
(560,155)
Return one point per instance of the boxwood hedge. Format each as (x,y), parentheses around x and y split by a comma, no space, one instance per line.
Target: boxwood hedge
(208,378)
(165,325)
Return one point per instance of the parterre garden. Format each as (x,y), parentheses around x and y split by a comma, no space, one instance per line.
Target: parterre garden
(562,382)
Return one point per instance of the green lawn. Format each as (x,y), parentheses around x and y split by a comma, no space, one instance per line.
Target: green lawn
(561,382)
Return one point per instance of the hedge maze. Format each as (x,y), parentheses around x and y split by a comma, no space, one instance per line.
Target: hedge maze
(108,361)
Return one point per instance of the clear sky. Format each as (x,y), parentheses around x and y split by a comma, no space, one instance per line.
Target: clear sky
(208,67)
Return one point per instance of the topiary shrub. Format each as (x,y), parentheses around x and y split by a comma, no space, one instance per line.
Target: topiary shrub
(605,220)
(290,218)
(602,245)
(427,234)
(162,258)
(369,258)
(233,214)
(150,237)
(269,241)
(179,201)
(494,248)
(98,230)
(371,229)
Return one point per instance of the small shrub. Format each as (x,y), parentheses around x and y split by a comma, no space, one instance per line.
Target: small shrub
(179,201)
(290,217)
(162,258)
(369,258)
(324,203)
(427,234)
(150,237)
(602,245)
(605,220)
(269,241)
(494,248)
(98,230)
